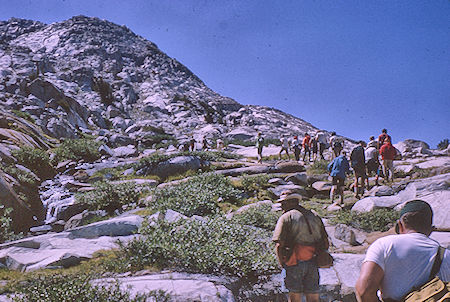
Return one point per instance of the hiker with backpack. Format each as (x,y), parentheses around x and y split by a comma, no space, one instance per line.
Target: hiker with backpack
(358,162)
(388,153)
(399,264)
(337,170)
(314,148)
(372,163)
(299,236)
(382,138)
(336,144)
(296,145)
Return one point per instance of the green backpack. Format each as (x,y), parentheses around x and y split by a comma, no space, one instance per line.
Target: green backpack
(435,289)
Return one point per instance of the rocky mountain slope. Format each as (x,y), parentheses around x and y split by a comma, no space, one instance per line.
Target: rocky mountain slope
(92,74)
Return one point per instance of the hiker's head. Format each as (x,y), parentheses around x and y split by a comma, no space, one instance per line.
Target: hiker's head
(372,138)
(289,200)
(333,133)
(362,143)
(295,137)
(306,134)
(384,130)
(417,216)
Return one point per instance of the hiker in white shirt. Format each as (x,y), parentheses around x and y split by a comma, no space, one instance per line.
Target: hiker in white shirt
(396,264)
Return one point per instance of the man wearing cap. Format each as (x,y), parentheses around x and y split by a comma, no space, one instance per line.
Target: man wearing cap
(297,235)
(396,264)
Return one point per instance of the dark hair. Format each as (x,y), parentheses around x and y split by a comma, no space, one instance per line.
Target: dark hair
(372,138)
(384,130)
(418,221)
(333,133)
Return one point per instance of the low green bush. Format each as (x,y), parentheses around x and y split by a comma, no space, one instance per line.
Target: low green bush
(200,195)
(24,177)
(68,288)
(318,167)
(375,220)
(6,228)
(259,216)
(24,115)
(35,159)
(216,246)
(110,197)
(78,149)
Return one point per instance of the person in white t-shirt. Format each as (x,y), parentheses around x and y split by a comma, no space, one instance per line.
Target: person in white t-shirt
(284,147)
(396,264)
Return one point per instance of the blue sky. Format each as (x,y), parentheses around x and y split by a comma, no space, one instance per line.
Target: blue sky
(354,67)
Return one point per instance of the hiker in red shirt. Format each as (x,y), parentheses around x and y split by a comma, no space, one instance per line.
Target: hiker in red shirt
(388,153)
(382,138)
(307,146)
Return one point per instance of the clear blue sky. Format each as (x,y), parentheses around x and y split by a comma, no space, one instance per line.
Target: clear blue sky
(350,66)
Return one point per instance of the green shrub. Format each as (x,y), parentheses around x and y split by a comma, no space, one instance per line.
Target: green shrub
(6,228)
(24,177)
(217,246)
(443,144)
(159,140)
(375,220)
(259,216)
(37,160)
(78,149)
(24,115)
(67,288)
(154,159)
(318,167)
(252,183)
(199,195)
(110,197)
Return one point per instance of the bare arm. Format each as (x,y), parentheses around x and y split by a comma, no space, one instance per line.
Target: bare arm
(279,245)
(369,282)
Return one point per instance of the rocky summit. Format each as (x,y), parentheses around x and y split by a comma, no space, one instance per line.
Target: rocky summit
(86,73)
(105,181)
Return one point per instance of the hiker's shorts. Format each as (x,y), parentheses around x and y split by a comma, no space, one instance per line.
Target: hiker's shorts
(302,278)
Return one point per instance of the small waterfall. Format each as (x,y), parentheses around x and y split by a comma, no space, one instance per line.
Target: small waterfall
(55,195)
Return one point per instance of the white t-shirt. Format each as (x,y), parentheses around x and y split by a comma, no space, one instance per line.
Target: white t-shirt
(406,260)
(370,153)
(321,138)
(285,143)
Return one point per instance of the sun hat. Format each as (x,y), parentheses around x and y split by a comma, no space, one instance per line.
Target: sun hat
(289,196)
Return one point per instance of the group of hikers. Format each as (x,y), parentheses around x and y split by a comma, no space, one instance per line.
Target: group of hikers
(364,158)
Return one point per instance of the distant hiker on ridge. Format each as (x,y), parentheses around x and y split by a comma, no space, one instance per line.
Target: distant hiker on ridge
(306,146)
(205,144)
(337,169)
(259,146)
(284,147)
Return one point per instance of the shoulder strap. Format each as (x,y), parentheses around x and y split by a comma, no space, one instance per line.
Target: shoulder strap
(437,262)
(304,211)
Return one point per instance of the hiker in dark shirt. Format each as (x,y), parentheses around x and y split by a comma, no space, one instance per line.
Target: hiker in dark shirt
(358,162)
